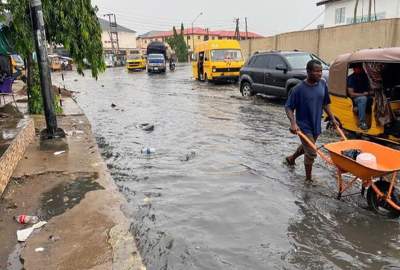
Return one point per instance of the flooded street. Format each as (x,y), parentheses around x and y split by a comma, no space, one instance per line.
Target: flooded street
(215,194)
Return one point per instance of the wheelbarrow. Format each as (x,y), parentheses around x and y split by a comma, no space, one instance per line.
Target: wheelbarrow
(380,180)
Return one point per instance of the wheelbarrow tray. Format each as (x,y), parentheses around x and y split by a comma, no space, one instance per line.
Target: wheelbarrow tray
(388,159)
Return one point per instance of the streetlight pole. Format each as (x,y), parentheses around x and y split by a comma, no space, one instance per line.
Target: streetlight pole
(45,79)
(201,13)
(51,138)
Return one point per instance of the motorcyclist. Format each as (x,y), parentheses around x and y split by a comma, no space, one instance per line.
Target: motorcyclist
(171,64)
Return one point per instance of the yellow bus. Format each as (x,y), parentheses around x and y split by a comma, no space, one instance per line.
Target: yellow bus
(136,62)
(217,60)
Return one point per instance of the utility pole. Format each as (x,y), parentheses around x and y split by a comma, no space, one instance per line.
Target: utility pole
(237,31)
(114,39)
(355,12)
(207,37)
(39,33)
(247,32)
(369,10)
(201,13)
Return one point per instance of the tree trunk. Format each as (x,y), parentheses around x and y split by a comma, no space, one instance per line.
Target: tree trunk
(355,11)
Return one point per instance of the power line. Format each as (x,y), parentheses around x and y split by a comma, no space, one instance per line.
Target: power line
(167,26)
(316,18)
(160,19)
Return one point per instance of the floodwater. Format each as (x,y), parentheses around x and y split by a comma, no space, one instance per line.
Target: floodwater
(215,193)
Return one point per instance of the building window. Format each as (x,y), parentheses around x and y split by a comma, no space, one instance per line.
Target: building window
(188,37)
(213,38)
(198,37)
(340,15)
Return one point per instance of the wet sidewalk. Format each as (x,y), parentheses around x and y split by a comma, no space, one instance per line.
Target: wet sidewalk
(75,194)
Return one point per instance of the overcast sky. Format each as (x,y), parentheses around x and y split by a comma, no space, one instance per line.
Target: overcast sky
(266,17)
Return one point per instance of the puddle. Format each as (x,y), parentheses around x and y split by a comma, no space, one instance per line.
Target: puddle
(65,196)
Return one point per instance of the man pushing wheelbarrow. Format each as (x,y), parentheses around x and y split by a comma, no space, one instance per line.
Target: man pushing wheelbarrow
(304,109)
(375,166)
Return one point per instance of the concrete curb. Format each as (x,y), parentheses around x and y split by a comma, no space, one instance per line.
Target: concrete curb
(15,152)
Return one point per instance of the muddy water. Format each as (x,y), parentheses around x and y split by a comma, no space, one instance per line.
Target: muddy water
(215,194)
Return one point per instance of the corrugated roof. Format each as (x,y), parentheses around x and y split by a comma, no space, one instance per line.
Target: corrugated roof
(199,31)
(105,26)
(150,34)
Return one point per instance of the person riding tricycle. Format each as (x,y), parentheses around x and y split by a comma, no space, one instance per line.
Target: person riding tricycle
(364,87)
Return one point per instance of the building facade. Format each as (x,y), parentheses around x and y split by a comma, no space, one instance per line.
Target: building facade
(192,37)
(127,38)
(341,12)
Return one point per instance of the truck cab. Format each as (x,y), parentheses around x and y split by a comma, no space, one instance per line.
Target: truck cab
(156,57)
(156,63)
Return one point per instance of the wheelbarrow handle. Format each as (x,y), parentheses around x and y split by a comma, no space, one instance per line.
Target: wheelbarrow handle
(313,146)
(341,133)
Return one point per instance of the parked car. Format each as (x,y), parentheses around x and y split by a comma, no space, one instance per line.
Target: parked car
(109,60)
(275,73)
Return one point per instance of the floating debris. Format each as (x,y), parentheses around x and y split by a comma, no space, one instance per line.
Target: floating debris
(146,127)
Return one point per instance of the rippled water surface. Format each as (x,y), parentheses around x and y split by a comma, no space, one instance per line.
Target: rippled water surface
(215,194)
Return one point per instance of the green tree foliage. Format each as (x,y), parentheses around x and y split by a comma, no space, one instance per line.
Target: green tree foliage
(71,23)
(178,44)
(35,101)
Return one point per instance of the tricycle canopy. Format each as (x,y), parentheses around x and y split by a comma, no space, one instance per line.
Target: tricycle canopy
(338,71)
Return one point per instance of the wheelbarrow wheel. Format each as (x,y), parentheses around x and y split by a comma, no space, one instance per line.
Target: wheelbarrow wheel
(379,205)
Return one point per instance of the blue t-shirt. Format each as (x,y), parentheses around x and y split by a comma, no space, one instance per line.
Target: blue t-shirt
(359,82)
(308,101)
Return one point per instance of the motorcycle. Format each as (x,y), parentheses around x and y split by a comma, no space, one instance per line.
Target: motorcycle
(172,66)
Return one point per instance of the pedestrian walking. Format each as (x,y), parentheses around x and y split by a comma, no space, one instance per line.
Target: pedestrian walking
(304,109)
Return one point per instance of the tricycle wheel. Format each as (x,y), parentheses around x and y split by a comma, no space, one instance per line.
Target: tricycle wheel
(379,205)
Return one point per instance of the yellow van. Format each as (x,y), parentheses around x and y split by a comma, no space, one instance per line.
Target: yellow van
(136,62)
(217,60)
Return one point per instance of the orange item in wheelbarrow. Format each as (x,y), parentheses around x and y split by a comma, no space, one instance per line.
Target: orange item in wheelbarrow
(380,179)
